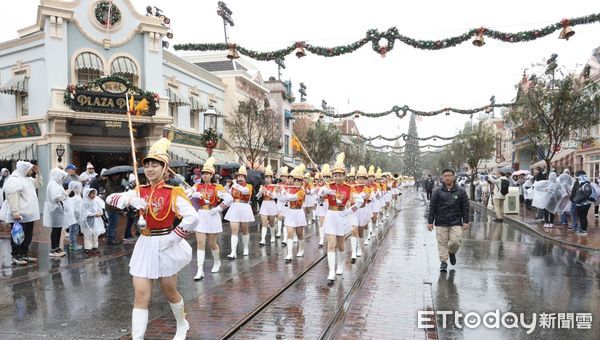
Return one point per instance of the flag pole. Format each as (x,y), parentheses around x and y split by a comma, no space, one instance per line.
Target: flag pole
(141,221)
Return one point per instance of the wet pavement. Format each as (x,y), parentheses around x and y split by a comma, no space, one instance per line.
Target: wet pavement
(499,267)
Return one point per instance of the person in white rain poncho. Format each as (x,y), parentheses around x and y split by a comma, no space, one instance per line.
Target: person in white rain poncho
(528,191)
(90,220)
(22,205)
(54,210)
(564,206)
(72,210)
(547,194)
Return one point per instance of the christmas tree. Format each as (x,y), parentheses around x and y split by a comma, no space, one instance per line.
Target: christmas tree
(411,165)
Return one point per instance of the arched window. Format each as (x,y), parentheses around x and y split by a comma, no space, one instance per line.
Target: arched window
(125,67)
(88,67)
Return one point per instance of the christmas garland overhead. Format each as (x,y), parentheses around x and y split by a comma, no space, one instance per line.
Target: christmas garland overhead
(402,111)
(380,147)
(383,42)
(405,137)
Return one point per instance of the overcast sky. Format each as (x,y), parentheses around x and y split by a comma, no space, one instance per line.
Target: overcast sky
(462,77)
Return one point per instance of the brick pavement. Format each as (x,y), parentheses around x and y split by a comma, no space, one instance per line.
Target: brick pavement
(386,305)
(559,233)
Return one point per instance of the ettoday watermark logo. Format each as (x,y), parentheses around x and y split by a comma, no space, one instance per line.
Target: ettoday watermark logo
(495,319)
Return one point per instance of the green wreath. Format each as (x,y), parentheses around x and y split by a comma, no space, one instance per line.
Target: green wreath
(101,12)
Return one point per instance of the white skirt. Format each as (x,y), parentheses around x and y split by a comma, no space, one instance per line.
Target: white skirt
(335,224)
(374,207)
(364,216)
(353,219)
(395,191)
(148,262)
(321,210)
(295,218)
(388,197)
(239,212)
(268,208)
(207,223)
(281,207)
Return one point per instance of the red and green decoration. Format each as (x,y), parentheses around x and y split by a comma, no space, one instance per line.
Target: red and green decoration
(402,111)
(102,11)
(210,138)
(383,42)
(97,89)
(405,137)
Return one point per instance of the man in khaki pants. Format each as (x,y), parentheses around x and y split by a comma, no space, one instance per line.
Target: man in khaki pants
(449,211)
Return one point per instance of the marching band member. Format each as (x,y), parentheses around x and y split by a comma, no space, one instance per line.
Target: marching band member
(360,219)
(379,199)
(395,191)
(240,213)
(205,198)
(386,183)
(268,209)
(322,204)
(342,203)
(283,177)
(295,219)
(351,178)
(162,251)
(309,198)
(374,206)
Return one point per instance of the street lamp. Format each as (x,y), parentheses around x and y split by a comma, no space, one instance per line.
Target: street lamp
(210,118)
(60,152)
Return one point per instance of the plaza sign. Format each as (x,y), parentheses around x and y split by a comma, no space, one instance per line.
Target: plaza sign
(107,95)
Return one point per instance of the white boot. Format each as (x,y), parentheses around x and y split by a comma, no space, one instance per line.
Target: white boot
(284,240)
(300,248)
(331,264)
(200,256)
(353,248)
(234,242)
(340,264)
(139,321)
(279,226)
(321,236)
(182,325)
(263,234)
(246,243)
(369,232)
(289,256)
(216,261)
(272,234)
(359,251)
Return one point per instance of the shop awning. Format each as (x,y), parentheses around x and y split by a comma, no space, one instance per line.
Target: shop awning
(90,61)
(123,65)
(196,105)
(289,114)
(176,99)
(15,85)
(190,156)
(561,160)
(19,150)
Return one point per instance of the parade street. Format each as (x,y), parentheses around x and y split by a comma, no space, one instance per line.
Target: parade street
(260,297)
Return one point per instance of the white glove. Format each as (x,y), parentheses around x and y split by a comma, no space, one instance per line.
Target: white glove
(206,202)
(213,211)
(189,192)
(345,212)
(197,195)
(169,240)
(338,201)
(138,203)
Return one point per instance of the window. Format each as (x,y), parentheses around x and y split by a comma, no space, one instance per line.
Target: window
(194,114)
(87,76)
(173,112)
(88,67)
(596,170)
(125,68)
(23,104)
(287,145)
(287,123)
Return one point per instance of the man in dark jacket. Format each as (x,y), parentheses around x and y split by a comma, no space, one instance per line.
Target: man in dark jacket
(429,184)
(113,185)
(449,211)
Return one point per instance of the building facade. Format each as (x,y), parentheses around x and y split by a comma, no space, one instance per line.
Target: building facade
(65,80)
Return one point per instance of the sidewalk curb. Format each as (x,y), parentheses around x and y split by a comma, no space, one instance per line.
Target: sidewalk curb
(526,226)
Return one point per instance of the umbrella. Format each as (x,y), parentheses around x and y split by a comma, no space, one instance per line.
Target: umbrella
(255,177)
(461,173)
(520,172)
(229,166)
(119,169)
(506,169)
(175,163)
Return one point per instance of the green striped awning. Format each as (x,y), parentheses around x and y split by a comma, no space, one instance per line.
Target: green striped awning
(15,85)
(123,65)
(174,98)
(195,104)
(90,61)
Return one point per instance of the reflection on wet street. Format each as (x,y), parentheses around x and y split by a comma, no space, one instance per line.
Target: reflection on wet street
(499,268)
